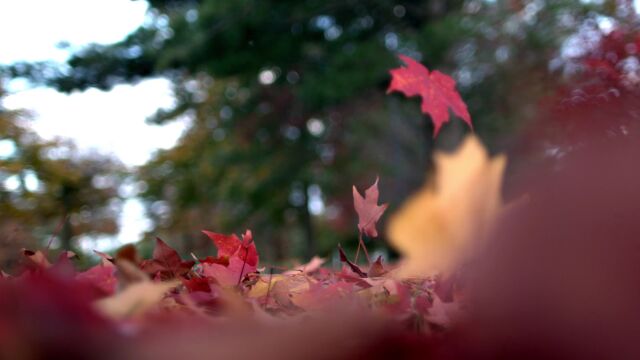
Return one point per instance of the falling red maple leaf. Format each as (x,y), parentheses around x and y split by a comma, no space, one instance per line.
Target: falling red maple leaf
(438,92)
(368,209)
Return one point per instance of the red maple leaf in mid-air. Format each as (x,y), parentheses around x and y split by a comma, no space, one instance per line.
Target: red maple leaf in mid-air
(438,92)
(368,209)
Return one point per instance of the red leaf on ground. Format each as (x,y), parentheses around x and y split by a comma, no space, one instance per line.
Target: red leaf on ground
(231,274)
(438,92)
(101,277)
(230,246)
(197,284)
(166,261)
(355,268)
(368,210)
(236,258)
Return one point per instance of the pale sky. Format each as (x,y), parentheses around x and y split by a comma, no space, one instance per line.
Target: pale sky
(111,122)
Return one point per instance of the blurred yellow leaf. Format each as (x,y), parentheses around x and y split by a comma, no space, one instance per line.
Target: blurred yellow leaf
(135,299)
(436,227)
(294,283)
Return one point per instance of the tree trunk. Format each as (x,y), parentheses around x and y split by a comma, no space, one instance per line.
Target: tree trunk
(66,233)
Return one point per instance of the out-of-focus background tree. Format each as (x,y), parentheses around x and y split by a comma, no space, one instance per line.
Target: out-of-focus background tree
(288,107)
(46,187)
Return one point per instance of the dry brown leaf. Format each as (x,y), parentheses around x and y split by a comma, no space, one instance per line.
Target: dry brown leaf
(36,258)
(314,264)
(135,299)
(437,226)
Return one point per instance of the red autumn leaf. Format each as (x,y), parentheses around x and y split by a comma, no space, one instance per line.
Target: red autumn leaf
(230,245)
(197,284)
(438,92)
(224,261)
(101,277)
(236,258)
(355,268)
(368,209)
(231,274)
(166,261)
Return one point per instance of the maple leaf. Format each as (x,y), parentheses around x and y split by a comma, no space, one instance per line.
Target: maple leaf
(236,258)
(197,284)
(101,277)
(435,227)
(166,262)
(438,92)
(355,268)
(230,245)
(368,210)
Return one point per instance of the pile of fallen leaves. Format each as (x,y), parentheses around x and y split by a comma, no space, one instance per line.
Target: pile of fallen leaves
(125,296)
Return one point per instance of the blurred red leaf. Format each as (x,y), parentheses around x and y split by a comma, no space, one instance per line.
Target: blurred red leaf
(197,284)
(45,316)
(166,262)
(101,277)
(368,210)
(438,92)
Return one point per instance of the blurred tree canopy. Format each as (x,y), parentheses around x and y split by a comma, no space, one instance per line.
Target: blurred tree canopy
(287,106)
(47,190)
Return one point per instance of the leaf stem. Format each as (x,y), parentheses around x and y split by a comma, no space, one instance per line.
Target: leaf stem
(364,248)
(266,300)
(244,262)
